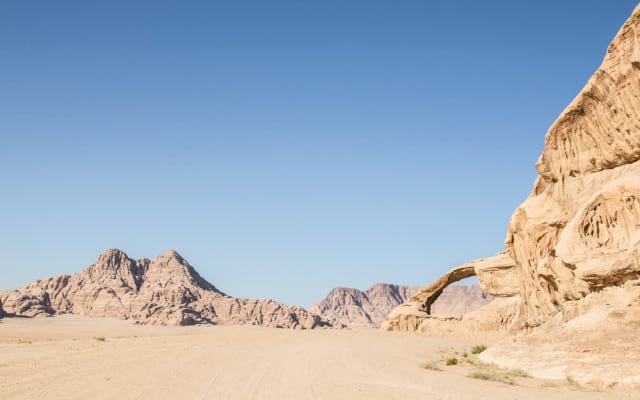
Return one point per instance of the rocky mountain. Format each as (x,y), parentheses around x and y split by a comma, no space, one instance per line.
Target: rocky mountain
(163,291)
(570,276)
(353,307)
(460,300)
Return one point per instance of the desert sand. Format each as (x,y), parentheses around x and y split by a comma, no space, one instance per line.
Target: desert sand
(73,357)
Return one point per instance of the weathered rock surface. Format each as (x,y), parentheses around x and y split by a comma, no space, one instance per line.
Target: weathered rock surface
(163,291)
(593,340)
(579,230)
(353,307)
(573,291)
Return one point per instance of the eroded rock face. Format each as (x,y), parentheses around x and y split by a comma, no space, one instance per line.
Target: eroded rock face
(573,294)
(576,238)
(593,340)
(353,307)
(579,230)
(163,291)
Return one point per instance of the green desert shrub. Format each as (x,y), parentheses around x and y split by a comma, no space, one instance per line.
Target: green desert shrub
(477,349)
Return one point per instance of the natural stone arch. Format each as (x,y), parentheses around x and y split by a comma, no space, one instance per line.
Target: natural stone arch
(430,294)
(498,276)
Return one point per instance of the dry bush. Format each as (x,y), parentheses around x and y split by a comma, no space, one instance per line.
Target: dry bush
(431,365)
(491,372)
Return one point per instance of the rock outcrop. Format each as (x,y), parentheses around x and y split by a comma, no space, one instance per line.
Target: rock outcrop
(163,291)
(575,241)
(593,340)
(353,307)
(579,230)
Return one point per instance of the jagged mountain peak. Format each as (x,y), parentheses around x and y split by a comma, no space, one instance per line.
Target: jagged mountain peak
(171,267)
(111,257)
(115,265)
(172,254)
(164,291)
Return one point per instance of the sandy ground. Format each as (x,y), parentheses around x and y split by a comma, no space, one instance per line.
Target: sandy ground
(70,357)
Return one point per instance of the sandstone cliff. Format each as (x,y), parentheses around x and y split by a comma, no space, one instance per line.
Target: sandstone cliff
(353,307)
(164,291)
(579,230)
(574,244)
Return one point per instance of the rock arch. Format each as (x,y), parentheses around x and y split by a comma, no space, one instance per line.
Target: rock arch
(430,294)
(499,276)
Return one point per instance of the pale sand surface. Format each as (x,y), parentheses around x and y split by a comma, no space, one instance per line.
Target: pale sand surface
(64,358)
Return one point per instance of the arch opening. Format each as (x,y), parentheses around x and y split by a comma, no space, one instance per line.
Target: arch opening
(427,296)
(460,298)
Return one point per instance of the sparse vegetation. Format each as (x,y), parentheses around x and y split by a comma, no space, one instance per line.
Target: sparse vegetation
(492,376)
(24,341)
(452,361)
(477,349)
(100,338)
(491,372)
(431,365)
(572,383)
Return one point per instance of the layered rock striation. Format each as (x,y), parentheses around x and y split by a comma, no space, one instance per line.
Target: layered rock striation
(573,284)
(353,307)
(163,291)
(579,230)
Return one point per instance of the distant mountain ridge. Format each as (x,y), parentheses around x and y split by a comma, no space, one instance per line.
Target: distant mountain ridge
(163,291)
(353,307)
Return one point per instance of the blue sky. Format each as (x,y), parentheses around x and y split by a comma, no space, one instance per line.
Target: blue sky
(283,148)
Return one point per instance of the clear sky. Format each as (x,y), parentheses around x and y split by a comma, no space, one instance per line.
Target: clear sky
(283,148)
